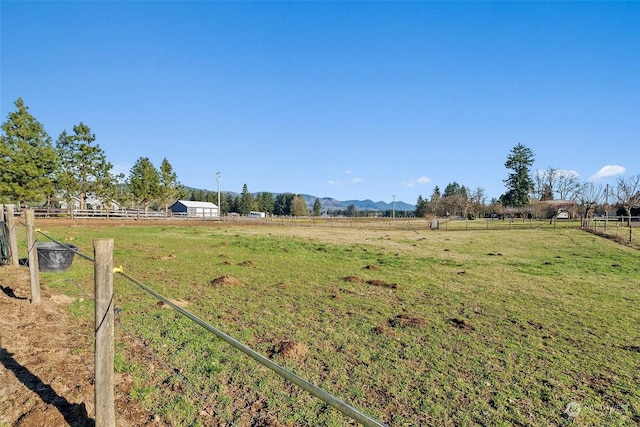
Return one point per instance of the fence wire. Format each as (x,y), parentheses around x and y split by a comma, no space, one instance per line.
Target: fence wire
(312,389)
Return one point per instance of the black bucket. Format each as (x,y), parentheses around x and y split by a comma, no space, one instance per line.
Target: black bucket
(53,257)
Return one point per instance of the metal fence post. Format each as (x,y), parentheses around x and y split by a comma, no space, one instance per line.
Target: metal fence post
(34,274)
(103,359)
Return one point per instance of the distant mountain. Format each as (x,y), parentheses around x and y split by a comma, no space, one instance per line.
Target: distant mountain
(361,205)
(332,204)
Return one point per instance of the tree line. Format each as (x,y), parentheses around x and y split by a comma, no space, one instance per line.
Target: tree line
(527,193)
(35,170)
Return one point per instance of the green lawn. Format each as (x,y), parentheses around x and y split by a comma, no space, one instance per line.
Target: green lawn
(533,326)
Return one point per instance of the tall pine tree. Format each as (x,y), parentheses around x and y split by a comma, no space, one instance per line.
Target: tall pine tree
(144,182)
(28,160)
(84,168)
(519,183)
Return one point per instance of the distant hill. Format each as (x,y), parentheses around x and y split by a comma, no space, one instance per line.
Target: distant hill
(361,205)
(332,204)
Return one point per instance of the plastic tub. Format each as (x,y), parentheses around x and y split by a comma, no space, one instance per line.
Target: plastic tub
(53,257)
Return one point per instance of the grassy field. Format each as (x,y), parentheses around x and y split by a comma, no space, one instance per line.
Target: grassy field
(535,326)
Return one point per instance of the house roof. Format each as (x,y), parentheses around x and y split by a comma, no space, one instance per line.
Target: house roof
(195,204)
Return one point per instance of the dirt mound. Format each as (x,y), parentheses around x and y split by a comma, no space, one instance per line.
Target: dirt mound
(353,279)
(462,323)
(247,263)
(382,283)
(291,350)
(370,267)
(225,281)
(384,330)
(225,263)
(406,321)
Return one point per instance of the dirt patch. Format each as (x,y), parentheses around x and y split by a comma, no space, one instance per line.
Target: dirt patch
(371,267)
(61,299)
(225,281)
(462,323)
(291,350)
(384,330)
(179,302)
(247,263)
(383,284)
(406,321)
(353,279)
(46,371)
(225,263)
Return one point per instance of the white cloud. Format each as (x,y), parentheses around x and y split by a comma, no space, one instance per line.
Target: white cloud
(412,182)
(347,172)
(356,180)
(607,171)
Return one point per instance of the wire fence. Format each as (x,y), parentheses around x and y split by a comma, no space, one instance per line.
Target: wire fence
(312,389)
(613,226)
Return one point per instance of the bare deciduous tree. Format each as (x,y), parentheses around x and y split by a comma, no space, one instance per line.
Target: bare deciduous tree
(589,196)
(628,193)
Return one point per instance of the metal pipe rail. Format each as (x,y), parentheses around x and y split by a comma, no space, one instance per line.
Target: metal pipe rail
(329,399)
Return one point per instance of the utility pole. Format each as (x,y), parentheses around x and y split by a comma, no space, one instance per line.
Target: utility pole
(219,207)
(606,207)
(393,216)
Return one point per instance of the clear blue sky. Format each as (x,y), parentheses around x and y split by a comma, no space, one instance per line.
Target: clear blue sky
(351,100)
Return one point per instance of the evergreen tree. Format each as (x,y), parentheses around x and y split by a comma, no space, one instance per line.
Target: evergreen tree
(28,160)
(265,202)
(351,210)
(317,207)
(519,183)
(283,204)
(170,189)
(84,168)
(246,202)
(144,182)
(226,200)
(421,207)
(434,201)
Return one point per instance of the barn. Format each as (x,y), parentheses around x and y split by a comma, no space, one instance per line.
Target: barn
(193,209)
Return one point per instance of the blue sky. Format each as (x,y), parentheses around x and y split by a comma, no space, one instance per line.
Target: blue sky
(351,100)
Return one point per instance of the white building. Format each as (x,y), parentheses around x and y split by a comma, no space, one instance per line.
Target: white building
(193,209)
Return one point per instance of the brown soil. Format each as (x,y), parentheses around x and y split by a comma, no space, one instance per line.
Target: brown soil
(46,373)
(406,321)
(383,284)
(225,281)
(291,350)
(462,323)
(353,279)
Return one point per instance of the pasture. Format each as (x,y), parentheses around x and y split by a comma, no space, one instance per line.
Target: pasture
(414,327)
